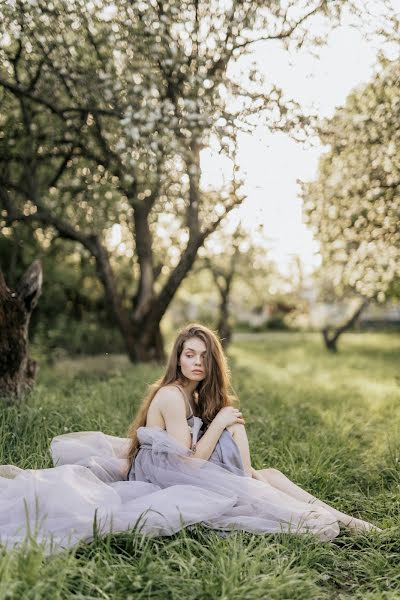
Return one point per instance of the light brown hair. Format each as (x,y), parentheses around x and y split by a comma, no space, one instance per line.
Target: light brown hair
(213,392)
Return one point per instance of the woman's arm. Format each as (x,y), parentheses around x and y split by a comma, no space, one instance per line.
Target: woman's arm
(172,407)
(239,434)
(171,404)
(206,444)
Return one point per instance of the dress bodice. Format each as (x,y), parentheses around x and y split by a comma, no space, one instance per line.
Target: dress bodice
(225,454)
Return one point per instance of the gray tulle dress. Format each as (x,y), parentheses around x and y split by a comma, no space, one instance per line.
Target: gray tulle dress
(167,490)
(225,454)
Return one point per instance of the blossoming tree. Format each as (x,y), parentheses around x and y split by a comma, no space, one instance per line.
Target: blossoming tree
(105,111)
(354,204)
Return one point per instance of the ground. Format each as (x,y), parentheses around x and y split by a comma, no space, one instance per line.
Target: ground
(329,422)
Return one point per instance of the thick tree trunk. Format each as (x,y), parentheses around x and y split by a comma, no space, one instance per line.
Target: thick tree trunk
(331,334)
(149,343)
(116,307)
(17,370)
(143,237)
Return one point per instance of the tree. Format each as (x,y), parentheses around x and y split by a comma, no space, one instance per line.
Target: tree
(241,271)
(354,204)
(106,109)
(224,264)
(17,370)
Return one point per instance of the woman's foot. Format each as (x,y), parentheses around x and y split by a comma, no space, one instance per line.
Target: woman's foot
(360,525)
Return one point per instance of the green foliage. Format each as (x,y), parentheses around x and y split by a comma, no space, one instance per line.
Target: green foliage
(72,315)
(329,422)
(354,205)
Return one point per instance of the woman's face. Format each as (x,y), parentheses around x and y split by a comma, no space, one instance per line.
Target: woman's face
(192,359)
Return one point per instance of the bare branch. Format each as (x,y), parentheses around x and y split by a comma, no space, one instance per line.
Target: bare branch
(63,112)
(105,146)
(44,216)
(193,164)
(61,168)
(282,34)
(213,226)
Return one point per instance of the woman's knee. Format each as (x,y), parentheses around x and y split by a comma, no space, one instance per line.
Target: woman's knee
(236,428)
(272,473)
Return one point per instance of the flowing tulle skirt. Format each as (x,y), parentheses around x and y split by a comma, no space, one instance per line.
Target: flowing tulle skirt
(59,506)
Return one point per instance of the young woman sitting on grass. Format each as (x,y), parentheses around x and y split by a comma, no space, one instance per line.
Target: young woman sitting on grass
(186,461)
(193,405)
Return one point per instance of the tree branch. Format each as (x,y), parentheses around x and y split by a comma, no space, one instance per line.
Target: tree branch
(43,215)
(94,246)
(332,335)
(213,226)
(282,34)
(62,112)
(193,170)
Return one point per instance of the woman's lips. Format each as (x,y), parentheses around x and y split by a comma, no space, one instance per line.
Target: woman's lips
(198,372)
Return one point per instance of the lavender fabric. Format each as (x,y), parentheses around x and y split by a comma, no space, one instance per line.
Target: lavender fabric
(225,454)
(171,490)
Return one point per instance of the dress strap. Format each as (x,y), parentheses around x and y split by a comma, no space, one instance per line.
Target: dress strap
(187,402)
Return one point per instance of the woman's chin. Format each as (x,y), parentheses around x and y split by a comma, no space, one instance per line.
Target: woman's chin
(196,376)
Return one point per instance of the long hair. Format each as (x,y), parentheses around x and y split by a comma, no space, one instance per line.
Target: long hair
(213,392)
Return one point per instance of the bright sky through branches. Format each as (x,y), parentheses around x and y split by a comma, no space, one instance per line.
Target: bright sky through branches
(272,164)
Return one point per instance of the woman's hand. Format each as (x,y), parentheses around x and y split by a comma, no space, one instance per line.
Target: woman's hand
(229,415)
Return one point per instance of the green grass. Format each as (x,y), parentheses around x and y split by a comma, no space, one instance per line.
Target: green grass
(330,422)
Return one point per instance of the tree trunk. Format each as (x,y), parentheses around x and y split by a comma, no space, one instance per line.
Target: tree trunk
(224,328)
(149,343)
(331,334)
(116,307)
(17,370)
(143,237)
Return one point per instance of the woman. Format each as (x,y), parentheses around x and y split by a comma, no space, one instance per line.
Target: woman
(188,462)
(196,382)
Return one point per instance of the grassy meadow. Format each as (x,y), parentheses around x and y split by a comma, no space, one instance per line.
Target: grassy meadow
(329,422)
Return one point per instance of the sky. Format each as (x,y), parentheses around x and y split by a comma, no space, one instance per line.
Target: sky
(272,163)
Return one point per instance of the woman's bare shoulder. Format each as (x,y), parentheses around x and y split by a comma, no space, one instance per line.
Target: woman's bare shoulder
(167,395)
(171,403)
(168,400)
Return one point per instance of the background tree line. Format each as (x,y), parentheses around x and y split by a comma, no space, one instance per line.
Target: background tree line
(105,112)
(354,204)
